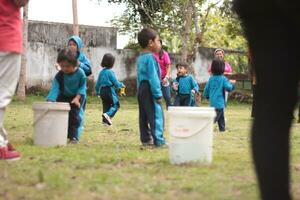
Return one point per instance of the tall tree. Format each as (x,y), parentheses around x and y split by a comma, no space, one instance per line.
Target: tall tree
(143,11)
(75,18)
(21,90)
(188,10)
(182,23)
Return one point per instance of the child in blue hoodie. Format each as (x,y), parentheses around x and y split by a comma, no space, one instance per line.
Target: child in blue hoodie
(215,91)
(185,85)
(105,87)
(75,44)
(69,85)
(151,117)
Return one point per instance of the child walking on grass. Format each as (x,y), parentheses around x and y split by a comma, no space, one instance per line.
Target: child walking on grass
(185,85)
(151,118)
(105,87)
(215,91)
(69,85)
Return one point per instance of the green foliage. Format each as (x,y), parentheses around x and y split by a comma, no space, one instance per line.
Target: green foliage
(143,12)
(223,32)
(238,62)
(134,46)
(222,27)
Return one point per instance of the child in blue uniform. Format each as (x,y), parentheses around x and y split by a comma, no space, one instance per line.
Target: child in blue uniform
(185,85)
(105,87)
(215,91)
(151,118)
(69,85)
(75,44)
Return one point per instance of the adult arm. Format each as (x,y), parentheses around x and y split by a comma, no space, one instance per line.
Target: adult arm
(228,68)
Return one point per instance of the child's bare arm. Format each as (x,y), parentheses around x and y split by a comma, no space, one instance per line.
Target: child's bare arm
(232,81)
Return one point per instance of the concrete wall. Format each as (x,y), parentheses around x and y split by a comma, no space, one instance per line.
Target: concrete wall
(45,40)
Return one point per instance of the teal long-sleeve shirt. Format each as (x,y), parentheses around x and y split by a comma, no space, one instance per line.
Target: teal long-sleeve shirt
(74,84)
(107,78)
(215,88)
(85,64)
(186,84)
(148,70)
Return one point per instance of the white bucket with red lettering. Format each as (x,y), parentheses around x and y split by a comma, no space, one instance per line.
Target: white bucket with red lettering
(191,134)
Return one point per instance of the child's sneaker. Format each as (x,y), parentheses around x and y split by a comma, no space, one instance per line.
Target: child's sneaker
(74,141)
(162,146)
(5,154)
(105,123)
(107,118)
(149,143)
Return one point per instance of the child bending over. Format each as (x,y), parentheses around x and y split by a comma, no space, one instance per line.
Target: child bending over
(69,85)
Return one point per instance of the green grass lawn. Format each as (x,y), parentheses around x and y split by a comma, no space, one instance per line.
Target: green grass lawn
(109,162)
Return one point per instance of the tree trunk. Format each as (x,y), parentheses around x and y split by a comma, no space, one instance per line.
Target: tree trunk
(21,91)
(198,35)
(187,31)
(75,18)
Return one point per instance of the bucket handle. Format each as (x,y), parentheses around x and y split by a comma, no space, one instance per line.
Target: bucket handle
(40,117)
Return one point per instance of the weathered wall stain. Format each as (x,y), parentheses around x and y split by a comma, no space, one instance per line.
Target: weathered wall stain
(46,39)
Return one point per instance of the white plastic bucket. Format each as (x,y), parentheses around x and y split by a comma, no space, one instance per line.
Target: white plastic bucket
(191,134)
(50,123)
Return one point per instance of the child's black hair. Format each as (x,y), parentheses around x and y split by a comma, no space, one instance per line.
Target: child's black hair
(217,67)
(108,61)
(145,35)
(67,55)
(186,66)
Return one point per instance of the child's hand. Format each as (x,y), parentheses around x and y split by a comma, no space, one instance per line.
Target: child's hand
(232,81)
(57,66)
(76,101)
(159,100)
(193,91)
(165,81)
(121,91)
(175,86)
